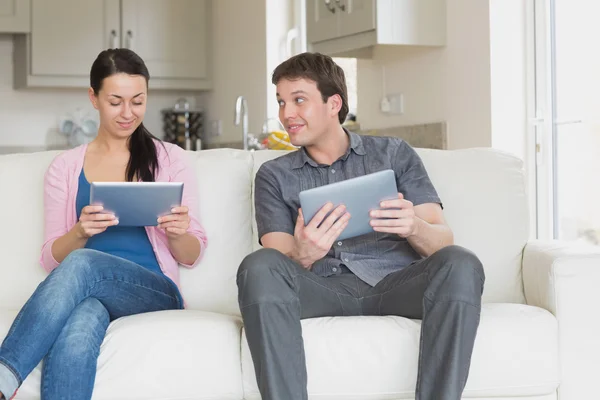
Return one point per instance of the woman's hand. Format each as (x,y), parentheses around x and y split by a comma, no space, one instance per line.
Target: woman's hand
(175,224)
(92,221)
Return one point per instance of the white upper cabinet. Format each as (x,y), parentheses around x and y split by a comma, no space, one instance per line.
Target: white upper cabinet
(14,16)
(171,36)
(67,35)
(354,27)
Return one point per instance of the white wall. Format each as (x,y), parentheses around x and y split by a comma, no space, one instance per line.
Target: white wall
(239,64)
(508,57)
(29,117)
(280,19)
(449,84)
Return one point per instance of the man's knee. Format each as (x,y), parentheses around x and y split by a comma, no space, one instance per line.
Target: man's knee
(265,275)
(458,271)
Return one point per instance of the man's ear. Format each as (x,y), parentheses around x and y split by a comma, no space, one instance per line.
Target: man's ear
(93,98)
(335,104)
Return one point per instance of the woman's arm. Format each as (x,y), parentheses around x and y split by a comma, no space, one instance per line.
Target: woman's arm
(186,236)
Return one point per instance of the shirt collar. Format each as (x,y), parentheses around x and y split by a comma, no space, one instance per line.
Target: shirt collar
(356,145)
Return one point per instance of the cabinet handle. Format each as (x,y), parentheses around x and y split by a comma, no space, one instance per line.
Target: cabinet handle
(130,40)
(340,5)
(330,6)
(114,39)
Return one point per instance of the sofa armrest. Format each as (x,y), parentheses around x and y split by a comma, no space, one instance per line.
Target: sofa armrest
(562,278)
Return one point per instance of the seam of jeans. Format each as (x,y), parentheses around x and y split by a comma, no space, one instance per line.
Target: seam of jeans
(325,287)
(452,301)
(45,374)
(92,286)
(268,302)
(395,287)
(5,363)
(19,316)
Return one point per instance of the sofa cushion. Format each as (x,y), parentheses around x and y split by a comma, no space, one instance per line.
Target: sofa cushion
(225,212)
(516,354)
(161,355)
(485,204)
(22,213)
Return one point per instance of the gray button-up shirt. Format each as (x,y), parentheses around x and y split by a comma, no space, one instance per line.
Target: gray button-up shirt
(372,256)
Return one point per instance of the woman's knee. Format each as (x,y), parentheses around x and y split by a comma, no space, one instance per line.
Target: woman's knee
(77,262)
(85,328)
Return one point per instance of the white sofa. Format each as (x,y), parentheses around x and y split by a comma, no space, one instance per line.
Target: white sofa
(537,339)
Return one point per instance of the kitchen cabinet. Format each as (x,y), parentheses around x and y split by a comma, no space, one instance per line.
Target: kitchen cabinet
(355,27)
(171,36)
(14,16)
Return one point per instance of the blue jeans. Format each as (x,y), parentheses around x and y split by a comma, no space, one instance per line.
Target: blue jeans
(65,321)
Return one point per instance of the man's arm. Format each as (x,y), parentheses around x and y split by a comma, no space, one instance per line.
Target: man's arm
(431,232)
(423,226)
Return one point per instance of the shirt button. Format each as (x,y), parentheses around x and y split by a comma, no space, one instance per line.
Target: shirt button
(339,243)
(334,269)
(332,171)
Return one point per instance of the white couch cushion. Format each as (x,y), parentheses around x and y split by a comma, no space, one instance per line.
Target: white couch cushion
(225,212)
(22,213)
(485,204)
(516,354)
(162,355)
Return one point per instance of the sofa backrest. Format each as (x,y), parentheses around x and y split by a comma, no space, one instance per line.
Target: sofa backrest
(485,204)
(483,193)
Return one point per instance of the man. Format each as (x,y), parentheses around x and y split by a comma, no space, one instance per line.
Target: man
(407,267)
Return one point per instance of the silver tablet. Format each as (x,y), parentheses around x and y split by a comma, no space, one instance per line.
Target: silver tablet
(360,195)
(137,203)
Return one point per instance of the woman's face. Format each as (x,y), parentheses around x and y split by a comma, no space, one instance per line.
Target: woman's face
(121,103)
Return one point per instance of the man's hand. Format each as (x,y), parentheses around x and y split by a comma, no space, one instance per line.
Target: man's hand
(399,217)
(313,241)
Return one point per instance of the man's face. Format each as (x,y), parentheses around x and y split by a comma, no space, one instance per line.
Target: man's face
(304,115)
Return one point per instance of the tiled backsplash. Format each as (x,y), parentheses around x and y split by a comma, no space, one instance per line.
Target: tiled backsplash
(431,136)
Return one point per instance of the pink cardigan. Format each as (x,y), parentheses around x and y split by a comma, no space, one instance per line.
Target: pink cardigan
(60,192)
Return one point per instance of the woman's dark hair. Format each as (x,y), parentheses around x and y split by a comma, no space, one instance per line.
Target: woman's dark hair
(143,161)
(319,68)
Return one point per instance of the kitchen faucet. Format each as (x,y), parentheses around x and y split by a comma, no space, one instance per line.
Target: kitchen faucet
(241,115)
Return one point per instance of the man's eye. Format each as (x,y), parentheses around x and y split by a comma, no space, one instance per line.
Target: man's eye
(299,100)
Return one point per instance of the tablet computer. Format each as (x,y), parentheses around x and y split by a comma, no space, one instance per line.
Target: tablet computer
(360,195)
(137,203)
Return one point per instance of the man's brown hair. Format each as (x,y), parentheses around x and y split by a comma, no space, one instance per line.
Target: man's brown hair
(320,69)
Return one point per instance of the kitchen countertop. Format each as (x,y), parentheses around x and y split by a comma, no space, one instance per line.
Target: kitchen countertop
(28,149)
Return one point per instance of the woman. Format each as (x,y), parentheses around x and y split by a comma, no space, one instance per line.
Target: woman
(100,271)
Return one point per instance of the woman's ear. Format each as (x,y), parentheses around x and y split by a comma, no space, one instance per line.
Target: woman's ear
(93,98)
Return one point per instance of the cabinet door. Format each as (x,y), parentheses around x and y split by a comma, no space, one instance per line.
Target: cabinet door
(170,35)
(358,16)
(322,20)
(67,35)
(14,16)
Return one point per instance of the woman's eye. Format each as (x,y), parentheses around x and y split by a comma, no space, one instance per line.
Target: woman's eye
(115,104)
(138,104)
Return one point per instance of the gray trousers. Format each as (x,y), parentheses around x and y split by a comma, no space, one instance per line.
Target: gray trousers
(444,290)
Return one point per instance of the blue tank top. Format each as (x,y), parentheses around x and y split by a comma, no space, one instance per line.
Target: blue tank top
(128,242)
